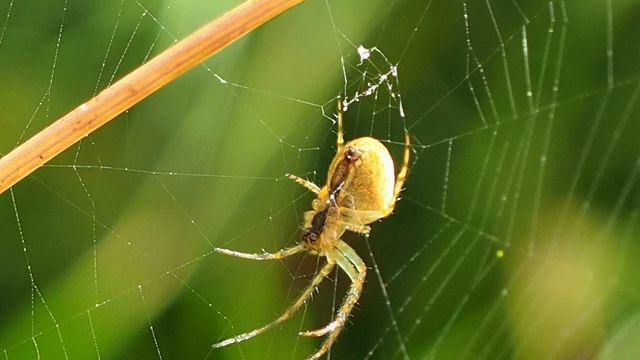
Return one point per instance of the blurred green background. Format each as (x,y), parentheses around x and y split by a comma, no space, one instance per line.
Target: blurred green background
(516,236)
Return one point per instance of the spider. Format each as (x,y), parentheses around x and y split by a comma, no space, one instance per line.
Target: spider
(361,188)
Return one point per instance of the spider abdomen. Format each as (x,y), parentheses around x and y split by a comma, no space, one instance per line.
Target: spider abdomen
(371,179)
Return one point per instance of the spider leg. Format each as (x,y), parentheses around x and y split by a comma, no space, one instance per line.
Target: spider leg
(361,229)
(355,267)
(351,221)
(355,218)
(340,140)
(326,270)
(402,175)
(306,183)
(265,255)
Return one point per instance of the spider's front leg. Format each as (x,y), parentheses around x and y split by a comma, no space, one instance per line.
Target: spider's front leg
(354,266)
(306,183)
(263,256)
(306,294)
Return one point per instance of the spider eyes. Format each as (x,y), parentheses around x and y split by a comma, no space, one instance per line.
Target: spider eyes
(308,236)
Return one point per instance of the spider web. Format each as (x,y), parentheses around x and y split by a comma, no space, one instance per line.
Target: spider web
(514,238)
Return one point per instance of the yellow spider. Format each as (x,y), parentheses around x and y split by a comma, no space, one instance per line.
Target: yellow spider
(361,188)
